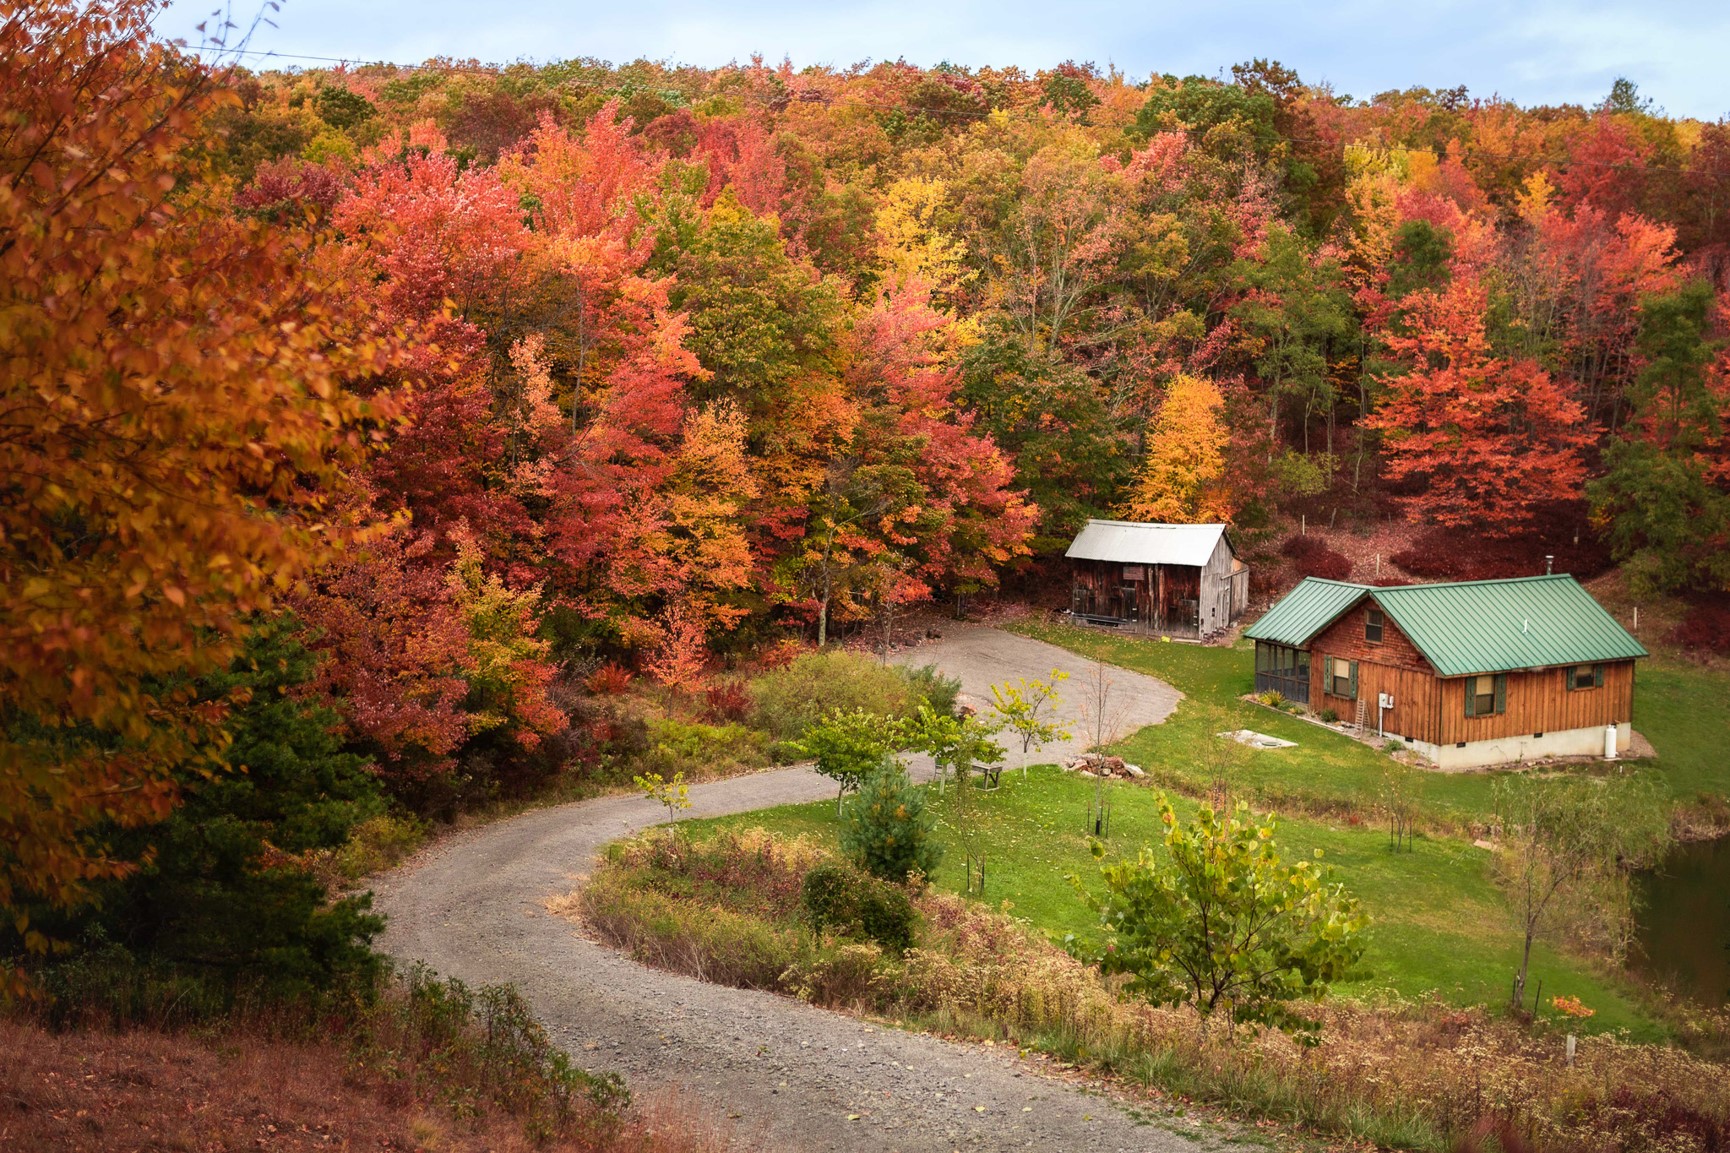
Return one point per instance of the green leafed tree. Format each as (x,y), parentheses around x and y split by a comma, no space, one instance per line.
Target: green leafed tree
(226,893)
(1663,501)
(1028,709)
(849,745)
(1220,921)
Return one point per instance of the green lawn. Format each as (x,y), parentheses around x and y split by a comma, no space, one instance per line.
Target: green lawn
(1439,922)
(1678,707)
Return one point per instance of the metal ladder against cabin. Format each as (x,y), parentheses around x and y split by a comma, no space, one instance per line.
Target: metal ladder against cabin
(1363,711)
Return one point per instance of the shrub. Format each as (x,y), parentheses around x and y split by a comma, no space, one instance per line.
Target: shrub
(939,692)
(843,900)
(1705,627)
(786,702)
(1219,921)
(1329,716)
(1272,699)
(714,943)
(727,702)
(780,654)
(608,680)
(888,829)
(1561,531)
(698,750)
(377,844)
(1311,556)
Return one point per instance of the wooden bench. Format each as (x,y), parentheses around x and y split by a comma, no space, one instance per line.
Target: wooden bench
(993,774)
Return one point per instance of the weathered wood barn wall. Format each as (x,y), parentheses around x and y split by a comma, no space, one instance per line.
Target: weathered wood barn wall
(1173,580)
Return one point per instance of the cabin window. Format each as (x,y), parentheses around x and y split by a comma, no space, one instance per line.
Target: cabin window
(1340,678)
(1373,625)
(1487,696)
(1585,677)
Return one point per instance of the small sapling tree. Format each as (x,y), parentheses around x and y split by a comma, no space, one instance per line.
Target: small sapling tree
(1569,843)
(1219,921)
(849,744)
(888,827)
(1400,797)
(674,795)
(1027,710)
(955,743)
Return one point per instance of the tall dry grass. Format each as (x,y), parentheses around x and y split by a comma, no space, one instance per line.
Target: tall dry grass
(1400,1074)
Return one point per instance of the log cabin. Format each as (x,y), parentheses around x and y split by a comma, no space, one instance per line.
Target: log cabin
(1469,674)
(1180,580)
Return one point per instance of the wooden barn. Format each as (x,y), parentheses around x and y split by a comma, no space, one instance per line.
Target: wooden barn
(1469,674)
(1181,580)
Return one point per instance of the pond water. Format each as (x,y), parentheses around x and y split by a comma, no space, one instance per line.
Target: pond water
(1684,926)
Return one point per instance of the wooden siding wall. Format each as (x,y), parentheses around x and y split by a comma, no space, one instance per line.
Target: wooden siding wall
(1428,708)
(1215,604)
(1541,702)
(1392,665)
(1105,580)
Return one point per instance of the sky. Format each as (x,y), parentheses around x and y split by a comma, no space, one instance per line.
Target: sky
(1537,52)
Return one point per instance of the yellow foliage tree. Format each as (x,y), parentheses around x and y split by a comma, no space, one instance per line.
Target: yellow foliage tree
(913,244)
(1181,479)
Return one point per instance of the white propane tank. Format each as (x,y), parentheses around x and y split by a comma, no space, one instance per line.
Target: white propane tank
(1609,742)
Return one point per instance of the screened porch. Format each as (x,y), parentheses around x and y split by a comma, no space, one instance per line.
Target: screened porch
(1284,670)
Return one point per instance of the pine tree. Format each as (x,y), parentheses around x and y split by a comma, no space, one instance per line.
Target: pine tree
(888,829)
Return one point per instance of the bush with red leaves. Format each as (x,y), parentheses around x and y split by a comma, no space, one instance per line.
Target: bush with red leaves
(1311,556)
(727,702)
(608,680)
(1560,531)
(1706,627)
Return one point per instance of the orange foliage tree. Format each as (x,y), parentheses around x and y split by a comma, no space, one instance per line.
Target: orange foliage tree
(173,415)
(1486,438)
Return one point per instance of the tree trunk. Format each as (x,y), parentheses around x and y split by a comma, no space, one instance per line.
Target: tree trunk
(1519,995)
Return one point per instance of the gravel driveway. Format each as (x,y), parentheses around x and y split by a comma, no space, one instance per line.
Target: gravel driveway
(805,1078)
(983,657)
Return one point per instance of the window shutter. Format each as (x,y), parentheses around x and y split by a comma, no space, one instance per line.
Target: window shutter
(1327,674)
(1501,693)
(1571,685)
(1354,668)
(1471,696)
(1597,676)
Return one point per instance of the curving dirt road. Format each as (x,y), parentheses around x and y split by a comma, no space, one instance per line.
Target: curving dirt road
(806,1078)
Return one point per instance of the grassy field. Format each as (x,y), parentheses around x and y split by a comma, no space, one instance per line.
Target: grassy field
(1678,707)
(1441,925)
(1439,922)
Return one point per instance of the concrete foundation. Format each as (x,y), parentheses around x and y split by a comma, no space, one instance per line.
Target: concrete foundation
(1525,747)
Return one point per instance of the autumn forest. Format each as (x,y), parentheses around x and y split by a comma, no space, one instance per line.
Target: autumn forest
(388,415)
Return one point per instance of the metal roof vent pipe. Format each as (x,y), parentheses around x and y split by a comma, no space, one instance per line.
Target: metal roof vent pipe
(1549,564)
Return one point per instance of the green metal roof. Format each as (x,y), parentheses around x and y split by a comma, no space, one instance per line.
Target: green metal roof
(1305,611)
(1470,626)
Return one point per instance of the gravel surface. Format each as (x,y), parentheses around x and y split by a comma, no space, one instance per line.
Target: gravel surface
(983,657)
(473,907)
